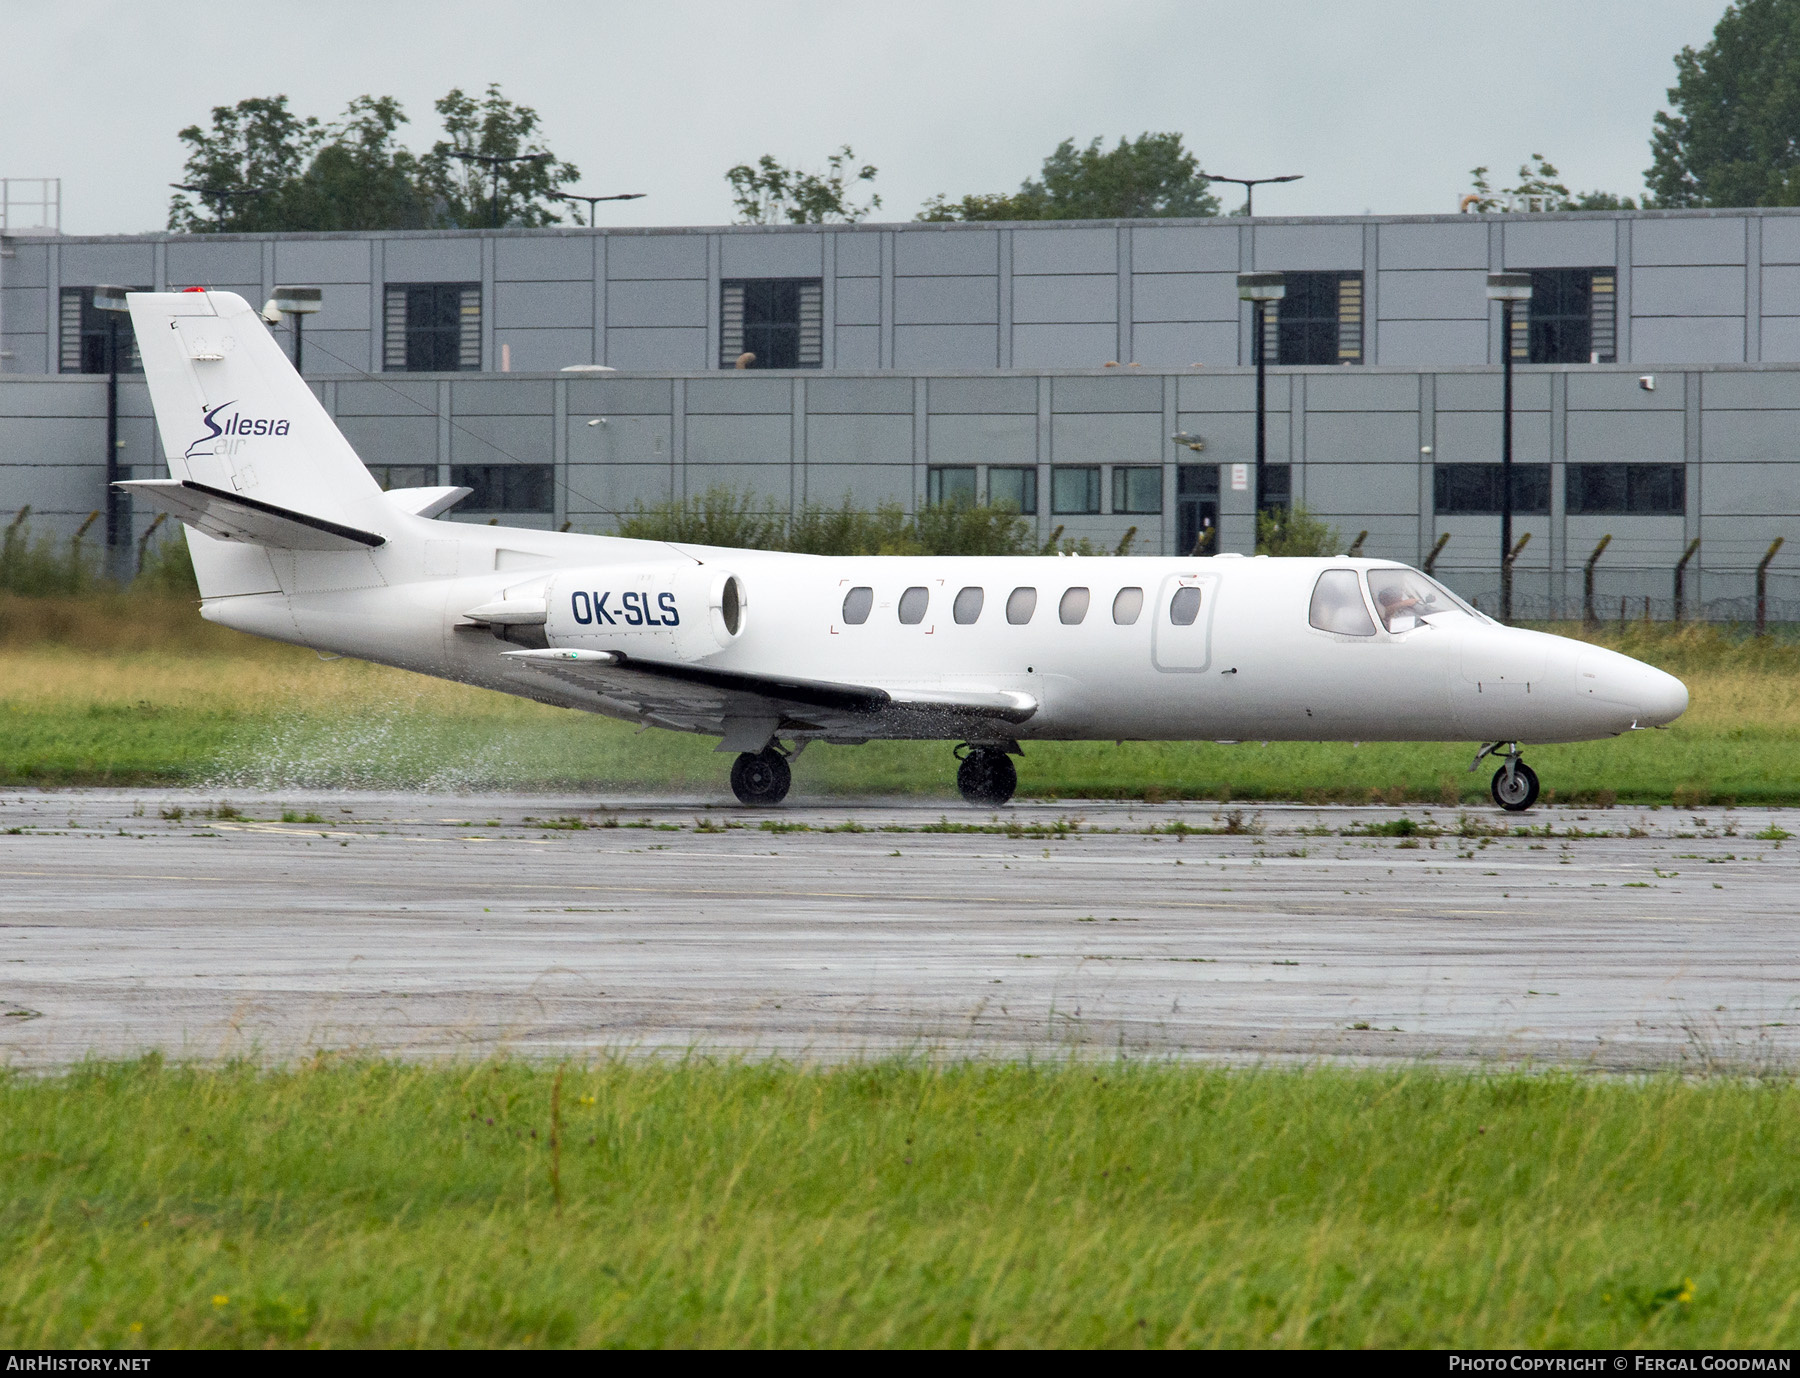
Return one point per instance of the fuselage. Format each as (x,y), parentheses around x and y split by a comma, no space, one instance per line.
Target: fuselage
(1107,648)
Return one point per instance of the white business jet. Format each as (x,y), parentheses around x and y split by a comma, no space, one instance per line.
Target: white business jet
(293,539)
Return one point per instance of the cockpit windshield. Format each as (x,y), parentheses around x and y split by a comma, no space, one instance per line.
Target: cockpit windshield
(1405,599)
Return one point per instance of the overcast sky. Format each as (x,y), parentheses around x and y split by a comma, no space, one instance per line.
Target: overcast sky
(1383,107)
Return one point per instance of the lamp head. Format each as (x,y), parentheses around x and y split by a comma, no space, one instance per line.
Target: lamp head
(110,298)
(298,301)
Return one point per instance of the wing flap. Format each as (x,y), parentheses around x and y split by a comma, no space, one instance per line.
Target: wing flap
(234,517)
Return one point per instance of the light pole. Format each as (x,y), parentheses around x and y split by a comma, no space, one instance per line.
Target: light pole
(1250,184)
(298,302)
(1507,289)
(1260,289)
(111,300)
(496,161)
(591,200)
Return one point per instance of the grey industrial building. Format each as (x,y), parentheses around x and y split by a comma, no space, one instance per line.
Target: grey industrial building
(1658,376)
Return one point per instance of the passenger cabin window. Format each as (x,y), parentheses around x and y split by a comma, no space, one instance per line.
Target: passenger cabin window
(857,603)
(912,606)
(1184,607)
(1020,604)
(1406,599)
(1073,607)
(967,607)
(1127,606)
(1337,604)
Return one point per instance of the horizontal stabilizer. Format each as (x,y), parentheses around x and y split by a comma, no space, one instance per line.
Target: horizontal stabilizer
(427,502)
(234,517)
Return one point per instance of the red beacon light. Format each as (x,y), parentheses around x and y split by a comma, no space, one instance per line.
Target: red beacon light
(193,289)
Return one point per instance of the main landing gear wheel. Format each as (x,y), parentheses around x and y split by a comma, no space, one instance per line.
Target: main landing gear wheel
(986,777)
(761,777)
(1518,793)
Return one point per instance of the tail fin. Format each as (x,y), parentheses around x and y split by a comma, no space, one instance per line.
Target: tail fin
(234,415)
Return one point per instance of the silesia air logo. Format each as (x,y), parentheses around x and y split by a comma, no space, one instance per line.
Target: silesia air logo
(234,427)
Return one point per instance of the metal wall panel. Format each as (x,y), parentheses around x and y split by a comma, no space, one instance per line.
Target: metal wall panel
(1348,389)
(859,301)
(607,396)
(1621,392)
(1762,434)
(1473,437)
(983,439)
(25,311)
(734,392)
(858,252)
(498,439)
(562,258)
(322,262)
(1676,340)
(655,256)
(1529,243)
(395,397)
(1103,438)
(1372,437)
(946,346)
(982,395)
(1115,392)
(1184,249)
(436,259)
(127,265)
(747,439)
(1231,439)
(765,255)
(546,305)
(30,264)
(679,302)
(1727,391)
(1229,392)
(1184,297)
(1780,340)
(859,346)
(544,351)
(1688,241)
(392,439)
(1343,489)
(498,397)
(770,485)
(865,485)
(945,301)
(1424,344)
(1296,248)
(1064,346)
(1646,437)
(1781,291)
(1437,295)
(47,398)
(619,440)
(1435,245)
(1063,299)
(1687,292)
(1483,391)
(601,494)
(1065,251)
(1182,345)
(841,439)
(935,252)
(858,395)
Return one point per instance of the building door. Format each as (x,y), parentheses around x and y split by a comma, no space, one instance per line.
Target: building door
(1197,509)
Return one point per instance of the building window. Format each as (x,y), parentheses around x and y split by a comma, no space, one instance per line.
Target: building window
(86,334)
(392,476)
(1638,490)
(1473,490)
(950,486)
(1572,318)
(1196,508)
(1278,486)
(1319,321)
(1137,489)
(433,327)
(507,487)
(1014,487)
(776,322)
(1075,490)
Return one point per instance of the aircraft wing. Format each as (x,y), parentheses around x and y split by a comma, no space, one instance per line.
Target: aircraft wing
(234,517)
(702,698)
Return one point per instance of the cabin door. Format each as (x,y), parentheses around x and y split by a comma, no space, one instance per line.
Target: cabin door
(1181,637)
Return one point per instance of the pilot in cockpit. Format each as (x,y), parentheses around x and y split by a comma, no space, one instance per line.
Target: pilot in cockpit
(1400,608)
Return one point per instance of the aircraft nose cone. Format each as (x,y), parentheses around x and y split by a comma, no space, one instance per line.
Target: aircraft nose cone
(1652,697)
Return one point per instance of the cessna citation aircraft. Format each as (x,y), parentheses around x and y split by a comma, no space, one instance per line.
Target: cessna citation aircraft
(293,539)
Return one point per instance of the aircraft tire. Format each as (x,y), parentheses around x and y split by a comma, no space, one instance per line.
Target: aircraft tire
(1523,791)
(761,777)
(986,777)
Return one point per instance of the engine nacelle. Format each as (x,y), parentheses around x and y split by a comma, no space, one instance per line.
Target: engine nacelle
(659,612)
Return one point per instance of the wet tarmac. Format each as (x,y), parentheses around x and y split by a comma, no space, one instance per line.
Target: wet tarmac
(433,925)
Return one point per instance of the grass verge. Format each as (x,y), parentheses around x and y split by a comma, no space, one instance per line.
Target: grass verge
(716,1203)
(138,691)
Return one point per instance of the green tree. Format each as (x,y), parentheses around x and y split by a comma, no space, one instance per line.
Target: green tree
(244,167)
(1147,177)
(770,194)
(1733,135)
(360,179)
(1540,190)
(1295,531)
(467,193)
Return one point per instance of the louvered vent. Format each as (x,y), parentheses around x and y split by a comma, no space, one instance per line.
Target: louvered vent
(1350,319)
(393,351)
(469,356)
(731,323)
(812,325)
(70,361)
(1603,305)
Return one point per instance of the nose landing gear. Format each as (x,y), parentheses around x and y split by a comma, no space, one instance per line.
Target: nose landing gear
(1515,784)
(986,776)
(761,777)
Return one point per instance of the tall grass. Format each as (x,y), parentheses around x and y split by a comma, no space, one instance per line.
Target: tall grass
(44,566)
(711,1203)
